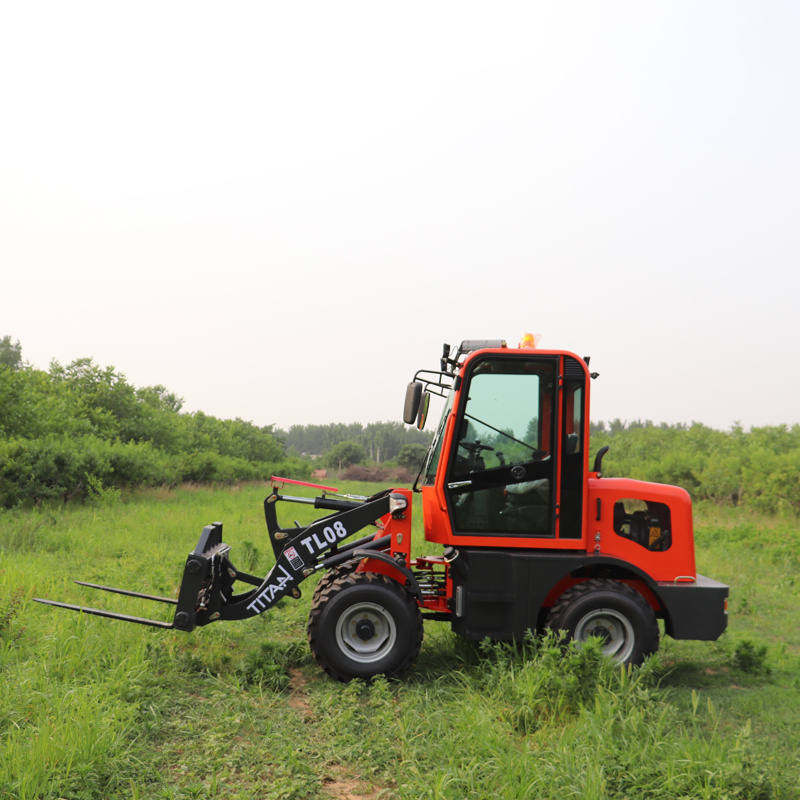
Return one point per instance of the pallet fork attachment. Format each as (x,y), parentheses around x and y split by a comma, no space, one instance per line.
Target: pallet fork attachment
(99,612)
(206,592)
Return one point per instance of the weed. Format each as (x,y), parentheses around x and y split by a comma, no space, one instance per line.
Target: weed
(248,556)
(8,611)
(102,495)
(264,667)
(751,658)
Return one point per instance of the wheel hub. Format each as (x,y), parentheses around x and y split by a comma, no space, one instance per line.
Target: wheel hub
(602,632)
(366,632)
(613,628)
(365,629)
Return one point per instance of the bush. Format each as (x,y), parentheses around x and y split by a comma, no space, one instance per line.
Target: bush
(759,469)
(66,468)
(376,474)
(411,457)
(750,657)
(83,431)
(344,454)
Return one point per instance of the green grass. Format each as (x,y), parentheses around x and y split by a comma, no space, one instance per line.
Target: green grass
(92,708)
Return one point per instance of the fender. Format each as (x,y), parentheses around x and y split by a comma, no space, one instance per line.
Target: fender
(690,609)
(394,568)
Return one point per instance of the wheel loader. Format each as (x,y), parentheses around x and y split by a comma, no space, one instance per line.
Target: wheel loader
(529,536)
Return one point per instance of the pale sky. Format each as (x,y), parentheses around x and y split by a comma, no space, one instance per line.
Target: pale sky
(281,210)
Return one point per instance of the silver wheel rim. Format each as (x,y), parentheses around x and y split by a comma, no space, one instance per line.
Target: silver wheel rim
(366,632)
(613,628)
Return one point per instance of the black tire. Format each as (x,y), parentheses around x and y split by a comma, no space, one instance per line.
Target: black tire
(363,624)
(331,575)
(609,609)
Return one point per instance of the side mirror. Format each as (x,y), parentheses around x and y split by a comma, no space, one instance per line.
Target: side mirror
(412,406)
(423,410)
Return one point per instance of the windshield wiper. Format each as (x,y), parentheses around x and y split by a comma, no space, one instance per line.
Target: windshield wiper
(503,433)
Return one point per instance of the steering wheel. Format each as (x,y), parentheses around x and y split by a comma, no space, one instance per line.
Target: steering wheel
(473,448)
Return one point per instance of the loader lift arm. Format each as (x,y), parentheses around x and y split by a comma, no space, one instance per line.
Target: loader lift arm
(207,591)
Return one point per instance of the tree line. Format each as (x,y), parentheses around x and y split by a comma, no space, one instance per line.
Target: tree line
(78,430)
(82,430)
(757,468)
(378,442)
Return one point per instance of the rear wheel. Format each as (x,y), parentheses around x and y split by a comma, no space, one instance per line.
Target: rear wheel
(364,624)
(611,610)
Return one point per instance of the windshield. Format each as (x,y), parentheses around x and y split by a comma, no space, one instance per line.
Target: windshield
(435,451)
(502,417)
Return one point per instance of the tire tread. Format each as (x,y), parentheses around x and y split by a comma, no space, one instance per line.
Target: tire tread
(595,585)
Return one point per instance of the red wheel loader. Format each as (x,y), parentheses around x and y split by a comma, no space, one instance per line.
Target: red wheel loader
(530,536)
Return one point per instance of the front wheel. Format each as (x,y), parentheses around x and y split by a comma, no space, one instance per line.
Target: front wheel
(364,624)
(611,610)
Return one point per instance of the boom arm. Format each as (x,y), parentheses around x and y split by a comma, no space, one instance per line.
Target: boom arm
(207,590)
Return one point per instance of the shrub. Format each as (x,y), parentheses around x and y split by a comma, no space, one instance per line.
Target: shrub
(375,474)
(344,454)
(750,657)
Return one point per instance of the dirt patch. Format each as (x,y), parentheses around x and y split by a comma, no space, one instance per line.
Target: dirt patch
(298,699)
(341,785)
(338,781)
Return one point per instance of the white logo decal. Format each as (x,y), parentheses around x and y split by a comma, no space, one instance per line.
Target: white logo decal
(331,533)
(272,589)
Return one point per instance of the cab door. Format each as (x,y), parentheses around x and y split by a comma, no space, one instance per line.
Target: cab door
(502,470)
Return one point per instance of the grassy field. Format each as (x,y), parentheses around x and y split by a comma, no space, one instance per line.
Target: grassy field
(92,708)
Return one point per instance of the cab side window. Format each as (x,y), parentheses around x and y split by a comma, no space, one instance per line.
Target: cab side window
(647,524)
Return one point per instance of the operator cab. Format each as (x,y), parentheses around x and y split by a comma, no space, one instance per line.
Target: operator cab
(508,458)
